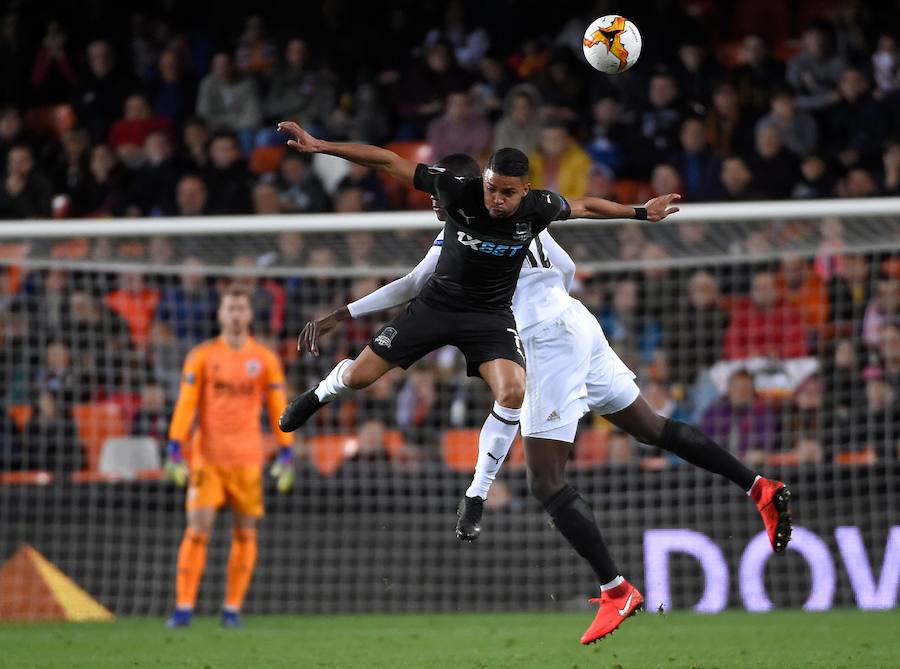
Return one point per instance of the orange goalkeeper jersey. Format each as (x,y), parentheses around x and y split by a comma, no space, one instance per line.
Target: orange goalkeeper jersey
(221,397)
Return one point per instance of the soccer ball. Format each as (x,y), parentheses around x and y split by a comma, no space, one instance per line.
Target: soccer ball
(612,44)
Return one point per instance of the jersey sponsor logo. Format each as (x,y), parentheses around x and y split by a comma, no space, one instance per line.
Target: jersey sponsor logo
(386,337)
(491,248)
(253,367)
(244,388)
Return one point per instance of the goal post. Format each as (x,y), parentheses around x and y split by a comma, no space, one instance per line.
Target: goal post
(775,326)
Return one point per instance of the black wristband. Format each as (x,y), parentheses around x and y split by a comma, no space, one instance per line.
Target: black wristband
(640,213)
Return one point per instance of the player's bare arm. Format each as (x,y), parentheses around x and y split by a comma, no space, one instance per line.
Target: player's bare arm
(361,154)
(594,207)
(308,341)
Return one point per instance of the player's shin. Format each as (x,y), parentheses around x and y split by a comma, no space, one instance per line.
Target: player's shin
(574,519)
(241,562)
(494,442)
(690,444)
(333,386)
(191,563)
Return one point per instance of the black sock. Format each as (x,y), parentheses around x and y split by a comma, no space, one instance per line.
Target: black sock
(575,521)
(690,444)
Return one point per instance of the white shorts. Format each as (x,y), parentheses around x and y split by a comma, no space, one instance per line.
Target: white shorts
(571,370)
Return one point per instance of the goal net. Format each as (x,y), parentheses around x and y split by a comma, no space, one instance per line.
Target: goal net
(774,327)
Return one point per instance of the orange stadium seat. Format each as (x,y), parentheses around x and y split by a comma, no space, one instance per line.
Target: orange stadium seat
(327,452)
(394,442)
(516,457)
(96,422)
(405,196)
(27,477)
(265,159)
(20,414)
(591,449)
(57,119)
(460,449)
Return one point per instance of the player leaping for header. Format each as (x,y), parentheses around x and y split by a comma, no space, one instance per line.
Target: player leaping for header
(466,302)
(572,370)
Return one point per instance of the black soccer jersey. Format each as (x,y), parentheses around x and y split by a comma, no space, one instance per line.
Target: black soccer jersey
(481,256)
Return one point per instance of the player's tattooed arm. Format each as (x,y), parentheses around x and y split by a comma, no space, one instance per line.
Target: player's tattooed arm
(308,341)
(361,154)
(594,207)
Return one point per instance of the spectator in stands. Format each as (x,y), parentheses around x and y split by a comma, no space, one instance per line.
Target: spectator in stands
(107,186)
(736,182)
(349,200)
(493,84)
(228,179)
(562,90)
(172,92)
(694,331)
(742,422)
(128,134)
(460,129)
(255,53)
(10,441)
(804,424)
(194,138)
(71,171)
(26,192)
(58,375)
(764,325)
(154,184)
(188,309)
(665,176)
(796,129)
(602,182)
(424,89)
(520,125)
(301,189)
(191,196)
(855,123)
(890,180)
(418,412)
(695,71)
(624,325)
(759,75)
(886,64)
(661,119)
(100,340)
(559,164)
(369,446)
(50,439)
(135,302)
(364,120)
(889,355)
(609,143)
(697,165)
(843,369)
(13,133)
(290,252)
(14,59)
(228,103)
(875,429)
(267,297)
(815,181)
(299,92)
(774,168)
(53,77)
(102,91)
(728,128)
(152,418)
(813,73)
(266,199)
(802,288)
(857,182)
(365,179)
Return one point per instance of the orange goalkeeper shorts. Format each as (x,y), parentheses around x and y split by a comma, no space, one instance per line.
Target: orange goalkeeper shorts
(239,486)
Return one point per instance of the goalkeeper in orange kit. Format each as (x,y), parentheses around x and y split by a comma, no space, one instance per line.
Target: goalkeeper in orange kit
(223,385)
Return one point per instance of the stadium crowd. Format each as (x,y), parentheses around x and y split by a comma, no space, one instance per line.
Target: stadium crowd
(169,119)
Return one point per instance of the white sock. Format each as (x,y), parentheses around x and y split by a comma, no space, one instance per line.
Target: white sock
(332,386)
(758,477)
(496,437)
(617,581)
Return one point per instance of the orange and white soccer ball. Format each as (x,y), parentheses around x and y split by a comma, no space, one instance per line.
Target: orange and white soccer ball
(612,44)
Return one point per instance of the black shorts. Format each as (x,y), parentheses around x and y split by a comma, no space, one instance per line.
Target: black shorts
(481,336)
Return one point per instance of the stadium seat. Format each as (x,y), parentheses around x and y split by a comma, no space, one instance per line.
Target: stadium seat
(126,456)
(27,477)
(399,194)
(459,448)
(96,422)
(866,456)
(394,442)
(56,119)
(20,414)
(630,191)
(328,452)
(266,159)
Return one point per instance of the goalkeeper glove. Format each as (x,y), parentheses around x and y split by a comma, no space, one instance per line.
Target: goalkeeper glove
(176,468)
(282,470)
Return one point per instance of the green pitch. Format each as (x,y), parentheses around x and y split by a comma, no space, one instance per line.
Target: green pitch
(466,641)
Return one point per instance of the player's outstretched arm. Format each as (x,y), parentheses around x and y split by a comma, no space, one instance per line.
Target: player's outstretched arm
(397,292)
(361,154)
(594,207)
